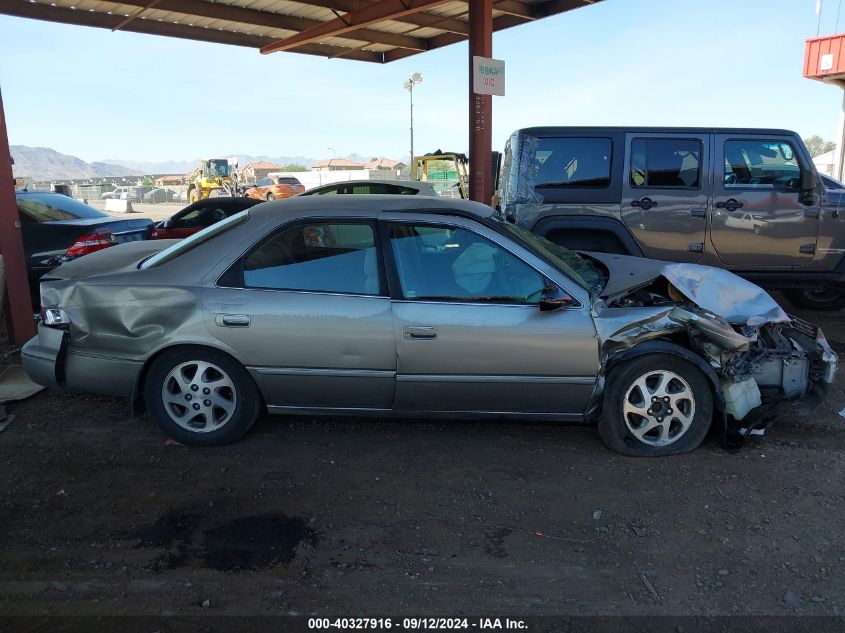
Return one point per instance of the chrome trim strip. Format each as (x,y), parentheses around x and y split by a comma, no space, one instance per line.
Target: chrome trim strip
(335,373)
(561,380)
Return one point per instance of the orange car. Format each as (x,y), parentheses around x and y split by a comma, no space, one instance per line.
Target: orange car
(275,187)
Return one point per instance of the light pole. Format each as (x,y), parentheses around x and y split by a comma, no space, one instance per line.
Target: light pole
(413,80)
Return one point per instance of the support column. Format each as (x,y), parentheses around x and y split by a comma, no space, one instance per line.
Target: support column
(839,152)
(20,325)
(480,106)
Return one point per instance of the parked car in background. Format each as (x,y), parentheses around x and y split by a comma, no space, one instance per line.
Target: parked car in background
(198,216)
(56,229)
(372,187)
(747,200)
(275,187)
(118,193)
(411,305)
(158,195)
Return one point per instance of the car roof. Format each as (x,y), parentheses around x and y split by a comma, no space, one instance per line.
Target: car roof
(586,129)
(374,202)
(372,181)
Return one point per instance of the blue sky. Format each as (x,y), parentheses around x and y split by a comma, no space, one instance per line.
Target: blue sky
(97,94)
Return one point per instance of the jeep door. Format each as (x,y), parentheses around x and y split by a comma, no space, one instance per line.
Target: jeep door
(758,178)
(665,193)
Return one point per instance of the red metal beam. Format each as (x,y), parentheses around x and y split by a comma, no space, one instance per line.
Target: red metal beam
(447,39)
(359,18)
(253,17)
(182,31)
(22,326)
(480,106)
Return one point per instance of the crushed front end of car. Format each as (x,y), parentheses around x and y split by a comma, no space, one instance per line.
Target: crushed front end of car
(755,355)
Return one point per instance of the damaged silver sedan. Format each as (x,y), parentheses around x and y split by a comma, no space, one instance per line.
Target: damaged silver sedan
(402,306)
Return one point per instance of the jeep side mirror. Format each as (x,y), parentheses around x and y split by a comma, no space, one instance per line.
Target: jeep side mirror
(553,298)
(809,180)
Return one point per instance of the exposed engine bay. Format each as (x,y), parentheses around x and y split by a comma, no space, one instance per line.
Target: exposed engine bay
(760,355)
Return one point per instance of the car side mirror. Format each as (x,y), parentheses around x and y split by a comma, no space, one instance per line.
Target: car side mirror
(553,298)
(809,180)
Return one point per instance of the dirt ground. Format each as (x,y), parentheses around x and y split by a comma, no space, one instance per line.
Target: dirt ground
(100,515)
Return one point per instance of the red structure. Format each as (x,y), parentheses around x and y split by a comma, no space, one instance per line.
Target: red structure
(824,59)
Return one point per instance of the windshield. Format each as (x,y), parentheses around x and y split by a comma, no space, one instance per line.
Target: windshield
(194,240)
(50,207)
(575,265)
(217,169)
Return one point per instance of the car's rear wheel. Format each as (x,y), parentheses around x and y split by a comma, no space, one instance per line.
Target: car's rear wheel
(655,405)
(201,397)
(825,299)
(270,196)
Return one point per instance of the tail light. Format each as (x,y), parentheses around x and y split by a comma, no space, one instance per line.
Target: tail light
(91,242)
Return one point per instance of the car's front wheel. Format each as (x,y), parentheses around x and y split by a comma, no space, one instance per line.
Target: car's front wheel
(655,405)
(201,397)
(824,299)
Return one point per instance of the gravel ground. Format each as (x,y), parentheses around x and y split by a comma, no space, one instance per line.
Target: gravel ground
(339,516)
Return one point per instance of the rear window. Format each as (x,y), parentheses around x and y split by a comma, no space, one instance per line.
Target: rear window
(572,162)
(52,207)
(289,181)
(179,248)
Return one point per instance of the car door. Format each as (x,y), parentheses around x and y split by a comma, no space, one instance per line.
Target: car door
(761,218)
(470,336)
(664,194)
(307,311)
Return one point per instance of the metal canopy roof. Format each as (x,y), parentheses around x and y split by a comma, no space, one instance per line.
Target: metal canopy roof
(378,31)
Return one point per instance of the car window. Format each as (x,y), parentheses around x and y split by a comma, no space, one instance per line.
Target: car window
(288,181)
(328,191)
(189,243)
(443,263)
(572,162)
(317,257)
(50,207)
(203,216)
(667,162)
(264,182)
(761,164)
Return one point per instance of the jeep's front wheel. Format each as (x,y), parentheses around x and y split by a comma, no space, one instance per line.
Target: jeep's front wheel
(823,299)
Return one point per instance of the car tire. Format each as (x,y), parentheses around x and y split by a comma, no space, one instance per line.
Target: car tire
(822,299)
(270,196)
(630,425)
(232,405)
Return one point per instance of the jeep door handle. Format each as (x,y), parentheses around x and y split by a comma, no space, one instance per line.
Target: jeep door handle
(644,203)
(729,205)
(424,332)
(232,320)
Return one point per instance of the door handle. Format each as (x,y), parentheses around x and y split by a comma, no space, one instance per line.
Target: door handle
(423,332)
(645,203)
(729,205)
(232,320)
(698,212)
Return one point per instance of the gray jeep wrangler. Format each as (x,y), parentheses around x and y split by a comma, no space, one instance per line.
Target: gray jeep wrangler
(747,200)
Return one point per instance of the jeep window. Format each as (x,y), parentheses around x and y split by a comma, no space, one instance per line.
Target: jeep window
(572,162)
(761,164)
(666,163)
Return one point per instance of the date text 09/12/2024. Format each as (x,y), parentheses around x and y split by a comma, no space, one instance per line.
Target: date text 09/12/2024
(417,624)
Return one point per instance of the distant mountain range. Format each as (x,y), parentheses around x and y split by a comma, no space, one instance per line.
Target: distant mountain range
(43,163)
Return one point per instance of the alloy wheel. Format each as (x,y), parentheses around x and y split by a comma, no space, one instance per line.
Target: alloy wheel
(658,408)
(199,396)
